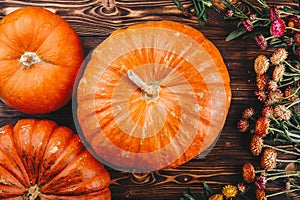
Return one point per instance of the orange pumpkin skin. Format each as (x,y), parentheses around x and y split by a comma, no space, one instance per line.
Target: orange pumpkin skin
(40,159)
(40,54)
(130,133)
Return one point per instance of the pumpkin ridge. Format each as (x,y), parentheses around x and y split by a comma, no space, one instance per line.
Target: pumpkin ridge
(76,179)
(58,160)
(24,155)
(22,179)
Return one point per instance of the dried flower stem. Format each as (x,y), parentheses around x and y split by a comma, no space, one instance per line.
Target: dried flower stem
(283,192)
(282,150)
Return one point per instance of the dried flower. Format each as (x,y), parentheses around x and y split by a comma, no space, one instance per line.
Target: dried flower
(289,41)
(268,159)
(278,56)
(272,85)
(216,197)
(293,21)
(278,73)
(248,113)
(252,17)
(261,81)
(261,41)
(261,64)
(277,28)
(282,112)
(268,112)
(274,97)
(297,38)
(248,25)
(288,185)
(289,93)
(262,126)
(242,188)
(229,191)
(261,95)
(229,13)
(243,125)
(248,172)
(260,181)
(256,145)
(297,52)
(260,194)
(274,13)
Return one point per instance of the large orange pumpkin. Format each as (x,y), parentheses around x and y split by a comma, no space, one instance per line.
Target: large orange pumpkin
(40,160)
(40,55)
(152,96)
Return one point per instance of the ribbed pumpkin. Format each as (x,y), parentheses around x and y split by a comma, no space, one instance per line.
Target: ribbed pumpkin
(152,96)
(41,160)
(40,55)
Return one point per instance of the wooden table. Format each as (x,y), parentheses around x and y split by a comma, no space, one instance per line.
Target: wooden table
(223,164)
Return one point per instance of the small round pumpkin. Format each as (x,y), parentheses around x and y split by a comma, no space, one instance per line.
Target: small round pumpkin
(41,160)
(40,54)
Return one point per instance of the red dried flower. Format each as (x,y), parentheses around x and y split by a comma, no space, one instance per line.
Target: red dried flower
(293,21)
(243,125)
(268,159)
(262,126)
(260,182)
(252,17)
(248,172)
(261,81)
(256,145)
(229,13)
(277,28)
(248,25)
(297,38)
(274,13)
(297,52)
(261,41)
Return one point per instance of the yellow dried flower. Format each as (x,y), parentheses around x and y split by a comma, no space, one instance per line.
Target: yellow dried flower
(260,195)
(268,159)
(248,172)
(216,197)
(229,191)
(256,145)
(279,56)
(261,64)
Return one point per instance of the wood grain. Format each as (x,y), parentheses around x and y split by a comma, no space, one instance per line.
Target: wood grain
(223,164)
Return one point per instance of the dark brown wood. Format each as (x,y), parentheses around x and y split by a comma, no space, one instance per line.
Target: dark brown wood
(223,164)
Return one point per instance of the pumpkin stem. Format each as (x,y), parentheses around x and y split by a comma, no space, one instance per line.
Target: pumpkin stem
(29,58)
(140,83)
(32,193)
